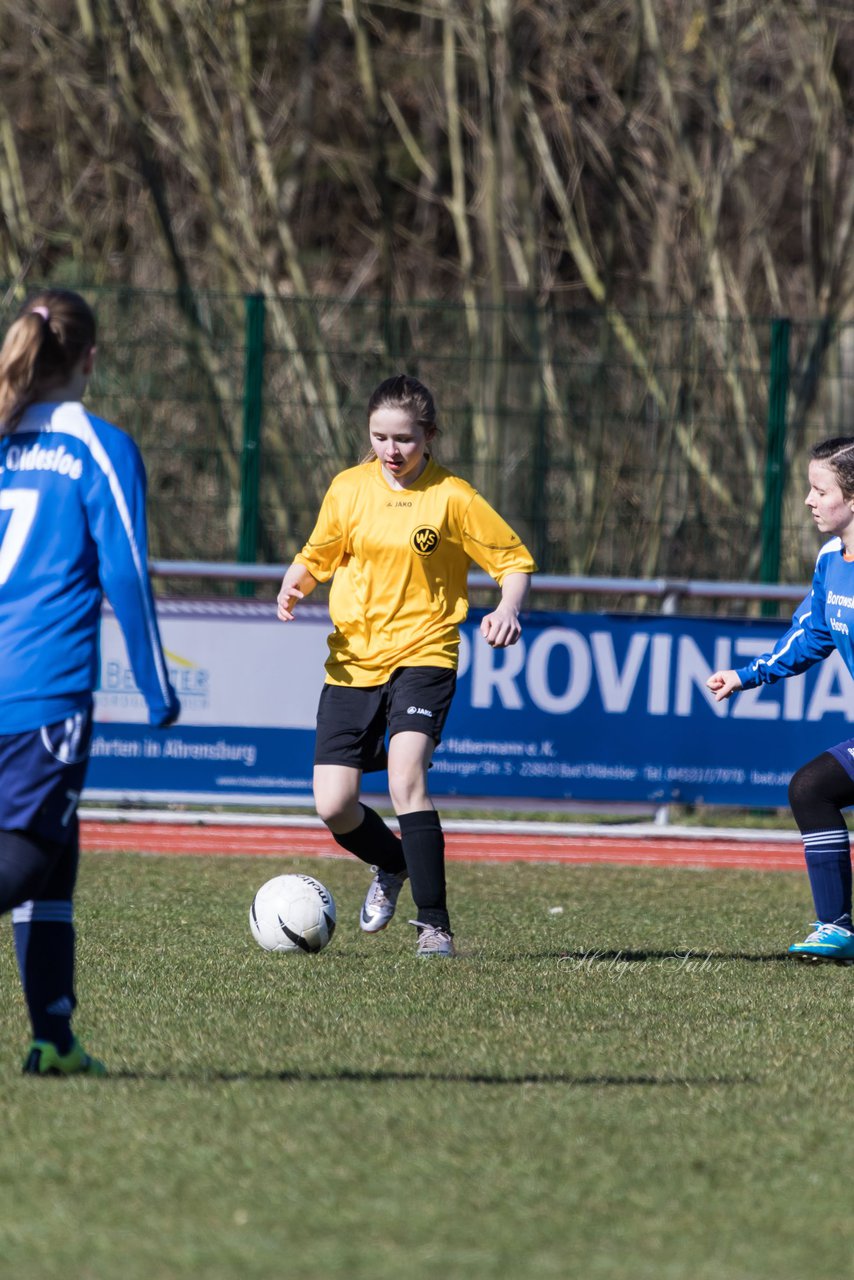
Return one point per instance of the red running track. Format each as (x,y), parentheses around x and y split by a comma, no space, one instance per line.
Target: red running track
(280,841)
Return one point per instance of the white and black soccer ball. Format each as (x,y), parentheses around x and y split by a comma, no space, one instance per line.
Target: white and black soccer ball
(292,913)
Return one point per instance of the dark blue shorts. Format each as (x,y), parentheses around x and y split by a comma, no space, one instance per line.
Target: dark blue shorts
(42,772)
(844,753)
(352,722)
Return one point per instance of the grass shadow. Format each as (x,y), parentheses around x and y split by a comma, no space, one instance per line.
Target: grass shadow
(629,955)
(346,1075)
(694,958)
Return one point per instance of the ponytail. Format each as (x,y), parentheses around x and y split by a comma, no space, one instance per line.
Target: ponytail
(54,328)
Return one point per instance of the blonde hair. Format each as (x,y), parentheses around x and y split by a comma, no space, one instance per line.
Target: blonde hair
(51,332)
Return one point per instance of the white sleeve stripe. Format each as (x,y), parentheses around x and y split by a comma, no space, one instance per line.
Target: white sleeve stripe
(82,430)
(766,662)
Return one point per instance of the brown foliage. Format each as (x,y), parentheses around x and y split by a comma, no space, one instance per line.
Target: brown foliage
(656,154)
(638,158)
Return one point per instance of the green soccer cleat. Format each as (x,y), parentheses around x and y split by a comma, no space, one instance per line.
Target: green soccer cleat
(826,942)
(44,1060)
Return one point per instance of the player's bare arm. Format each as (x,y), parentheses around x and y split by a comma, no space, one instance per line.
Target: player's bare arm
(502,627)
(296,585)
(723,684)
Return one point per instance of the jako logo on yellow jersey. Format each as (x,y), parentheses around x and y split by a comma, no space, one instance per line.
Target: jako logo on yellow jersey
(424,540)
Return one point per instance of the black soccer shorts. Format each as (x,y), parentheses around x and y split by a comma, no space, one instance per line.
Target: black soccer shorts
(352,723)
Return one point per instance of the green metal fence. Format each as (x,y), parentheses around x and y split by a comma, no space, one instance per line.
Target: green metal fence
(645,446)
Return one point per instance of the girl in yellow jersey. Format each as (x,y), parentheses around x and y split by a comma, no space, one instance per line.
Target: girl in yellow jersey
(398,532)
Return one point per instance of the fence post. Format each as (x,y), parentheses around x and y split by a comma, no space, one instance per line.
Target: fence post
(538,514)
(775,457)
(250,459)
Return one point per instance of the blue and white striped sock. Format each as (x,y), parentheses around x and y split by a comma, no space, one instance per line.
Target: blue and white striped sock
(828,858)
(44,945)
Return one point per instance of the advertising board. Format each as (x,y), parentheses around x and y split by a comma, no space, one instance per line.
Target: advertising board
(585,707)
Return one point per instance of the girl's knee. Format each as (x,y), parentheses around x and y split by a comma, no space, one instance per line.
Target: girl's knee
(333,810)
(408,793)
(336,797)
(819,791)
(801,787)
(341,811)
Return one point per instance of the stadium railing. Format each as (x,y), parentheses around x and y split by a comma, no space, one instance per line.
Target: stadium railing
(669,590)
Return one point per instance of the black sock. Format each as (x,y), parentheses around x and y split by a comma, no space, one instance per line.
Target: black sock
(374,842)
(44,944)
(424,849)
(37,881)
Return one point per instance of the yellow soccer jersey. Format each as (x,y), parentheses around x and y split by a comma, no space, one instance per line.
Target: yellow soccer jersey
(400,559)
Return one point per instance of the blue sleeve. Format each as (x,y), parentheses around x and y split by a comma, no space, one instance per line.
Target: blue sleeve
(807,641)
(115,505)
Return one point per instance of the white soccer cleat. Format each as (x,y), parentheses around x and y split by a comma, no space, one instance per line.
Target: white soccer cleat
(433,941)
(381,900)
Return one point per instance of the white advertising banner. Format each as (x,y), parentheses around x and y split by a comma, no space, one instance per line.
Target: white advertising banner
(584,707)
(230,666)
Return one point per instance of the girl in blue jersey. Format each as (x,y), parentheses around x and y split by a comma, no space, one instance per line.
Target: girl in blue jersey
(72,527)
(821,789)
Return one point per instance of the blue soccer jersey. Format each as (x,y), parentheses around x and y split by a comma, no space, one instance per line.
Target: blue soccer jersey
(72,528)
(822,622)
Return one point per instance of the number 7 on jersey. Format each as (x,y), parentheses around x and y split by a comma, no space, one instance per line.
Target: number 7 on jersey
(22,503)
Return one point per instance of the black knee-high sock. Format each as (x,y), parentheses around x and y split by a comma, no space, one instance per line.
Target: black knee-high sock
(44,946)
(37,880)
(424,849)
(374,843)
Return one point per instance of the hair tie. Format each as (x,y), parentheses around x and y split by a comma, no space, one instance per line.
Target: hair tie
(41,311)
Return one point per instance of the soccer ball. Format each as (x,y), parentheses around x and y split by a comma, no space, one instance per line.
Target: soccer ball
(292,913)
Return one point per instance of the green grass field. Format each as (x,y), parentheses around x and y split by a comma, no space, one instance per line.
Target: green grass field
(621,1076)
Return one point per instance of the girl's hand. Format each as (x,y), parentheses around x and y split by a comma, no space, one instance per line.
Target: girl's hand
(723,684)
(286,600)
(501,627)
